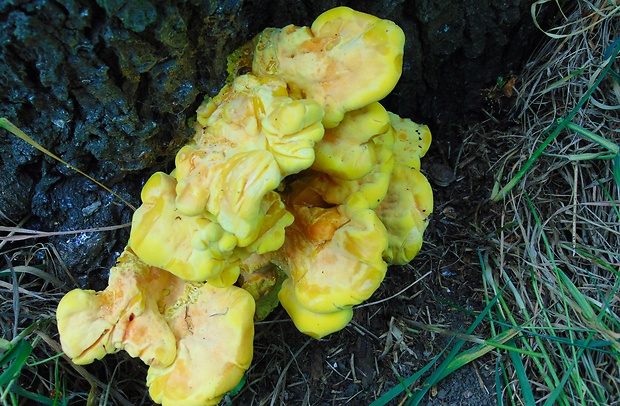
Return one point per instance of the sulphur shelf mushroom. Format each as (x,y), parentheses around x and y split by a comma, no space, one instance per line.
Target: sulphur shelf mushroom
(298,186)
(195,337)
(332,256)
(345,61)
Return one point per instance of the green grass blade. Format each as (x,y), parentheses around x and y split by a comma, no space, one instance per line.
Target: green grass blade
(500,373)
(617,170)
(582,304)
(528,164)
(478,351)
(602,141)
(559,390)
(43,361)
(564,80)
(447,366)
(40,399)
(22,269)
(15,358)
(559,126)
(512,348)
(13,129)
(404,386)
(438,373)
(524,382)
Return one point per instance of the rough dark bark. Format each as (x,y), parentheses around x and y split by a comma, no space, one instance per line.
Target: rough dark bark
(109,86)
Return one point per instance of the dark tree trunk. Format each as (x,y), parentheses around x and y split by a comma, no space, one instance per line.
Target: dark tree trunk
(109,85)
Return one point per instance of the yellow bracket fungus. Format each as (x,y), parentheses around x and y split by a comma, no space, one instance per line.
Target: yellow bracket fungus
(195,337)
(348,150)
(345,61)
(371,187)
(298,187)
(332,256)
(251,136)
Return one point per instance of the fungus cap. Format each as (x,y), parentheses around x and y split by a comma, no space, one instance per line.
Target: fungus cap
(316,325)
(332,255)
(214,328)
(344,61)
(347,151)
(252,136)
(124,316)
(411,140)
(195,337)
(405,211)
(372,187)
(194,248)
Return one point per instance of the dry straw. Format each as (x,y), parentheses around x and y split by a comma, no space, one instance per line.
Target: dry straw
(556,266)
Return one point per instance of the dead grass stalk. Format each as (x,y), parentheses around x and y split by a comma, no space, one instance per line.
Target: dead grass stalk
(560,264)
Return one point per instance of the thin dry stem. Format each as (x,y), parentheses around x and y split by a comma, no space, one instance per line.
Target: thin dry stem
(566,207)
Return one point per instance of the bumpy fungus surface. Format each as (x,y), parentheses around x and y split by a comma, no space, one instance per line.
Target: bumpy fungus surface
(404,211)
(193,248)
(372,187)
(125,316)
(345,61)
(214,328)
(333,258)
(411,140)
(348,150)
(409,199)
(298,185)
(196,248)
(251,136)
(195,337)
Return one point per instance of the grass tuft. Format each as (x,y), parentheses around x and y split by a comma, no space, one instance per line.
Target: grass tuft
(559,266)
(551,273)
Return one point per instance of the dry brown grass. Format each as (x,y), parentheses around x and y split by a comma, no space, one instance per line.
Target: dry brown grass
(558,252)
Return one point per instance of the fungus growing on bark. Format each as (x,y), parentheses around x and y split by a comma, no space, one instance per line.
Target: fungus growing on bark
(298,185)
